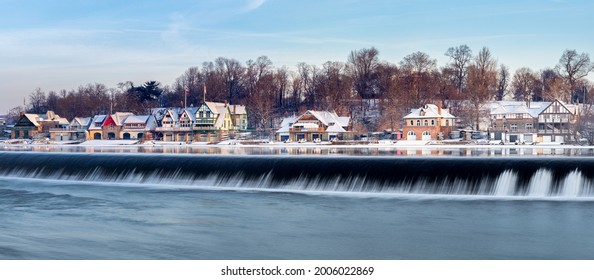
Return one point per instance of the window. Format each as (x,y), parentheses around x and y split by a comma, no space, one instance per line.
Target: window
(447,122)
(529,126)
(201,114)
(418,123)
(513,127)
(426,123)
(412,122)
(208,114)
(432,122)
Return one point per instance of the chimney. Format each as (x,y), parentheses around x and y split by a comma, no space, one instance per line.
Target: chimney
(439,107)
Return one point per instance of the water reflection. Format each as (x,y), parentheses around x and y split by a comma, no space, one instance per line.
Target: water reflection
(312,150)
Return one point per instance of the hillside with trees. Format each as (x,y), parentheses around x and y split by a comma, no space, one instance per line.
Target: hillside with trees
(375,93)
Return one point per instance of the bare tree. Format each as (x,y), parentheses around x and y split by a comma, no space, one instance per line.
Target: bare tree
(460,58)
(572,67)
(362,65)
(231,72)
(390,113)
(502,82)
(482,83)
(37,101)
(524,84)
(554,86)
(418,87)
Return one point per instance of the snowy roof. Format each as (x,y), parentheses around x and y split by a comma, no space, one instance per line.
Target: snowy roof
(97,122)
(120,117)
(429,111)
(517,107)
(83,121)
(136,119)
(237,110)
(171,113)
(63,121)
(286,124)
(329,119)
(33,118)
(190,112)
(222,111)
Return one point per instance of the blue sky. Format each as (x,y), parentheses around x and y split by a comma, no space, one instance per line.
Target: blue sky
(63,44)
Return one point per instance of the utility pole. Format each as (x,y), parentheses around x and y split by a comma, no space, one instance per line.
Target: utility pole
(204,97)
(187,92)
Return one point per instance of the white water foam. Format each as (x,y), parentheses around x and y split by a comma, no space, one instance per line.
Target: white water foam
(506,183)
(572,184)
(540,183)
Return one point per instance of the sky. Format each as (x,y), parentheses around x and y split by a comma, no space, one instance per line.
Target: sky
(57,44)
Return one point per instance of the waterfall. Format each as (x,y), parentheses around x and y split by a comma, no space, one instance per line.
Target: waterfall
(506,183)
(572,184)
(455,176)
(540,183)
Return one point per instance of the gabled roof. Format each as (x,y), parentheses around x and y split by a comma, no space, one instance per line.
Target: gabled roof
(565,106)
(137,119)
(97,122)
(238,110)
(212,106)
(33,118)
(429,111)
(190,112)
(147,122)
(172,113)
(286,124)
(518,107)
(329,119)
(223,111)
(82,121)
(120,117)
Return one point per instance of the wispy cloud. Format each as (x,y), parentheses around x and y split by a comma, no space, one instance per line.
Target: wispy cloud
(252,5)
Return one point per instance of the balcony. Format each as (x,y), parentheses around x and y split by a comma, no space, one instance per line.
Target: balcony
(166,129)
(305,129)
(554,131)
(205,121)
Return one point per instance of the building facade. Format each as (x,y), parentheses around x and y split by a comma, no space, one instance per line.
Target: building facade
(521,122)
(313,126)
(430,122)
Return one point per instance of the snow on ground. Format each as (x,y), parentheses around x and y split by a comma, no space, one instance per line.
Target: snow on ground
(108,142)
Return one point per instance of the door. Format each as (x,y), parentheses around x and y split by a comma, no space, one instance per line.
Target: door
(411,136)
(426,135)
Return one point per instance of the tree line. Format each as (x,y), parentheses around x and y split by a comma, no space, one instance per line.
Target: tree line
(351,88)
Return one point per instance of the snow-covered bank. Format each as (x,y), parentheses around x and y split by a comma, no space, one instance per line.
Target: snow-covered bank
(108,142)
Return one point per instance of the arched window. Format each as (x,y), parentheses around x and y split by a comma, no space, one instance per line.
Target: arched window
(411,133)
(447,122)
(426,123)
(432,122)
(418,123)
(412,122)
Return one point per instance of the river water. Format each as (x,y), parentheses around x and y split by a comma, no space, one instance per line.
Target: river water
(80,205)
